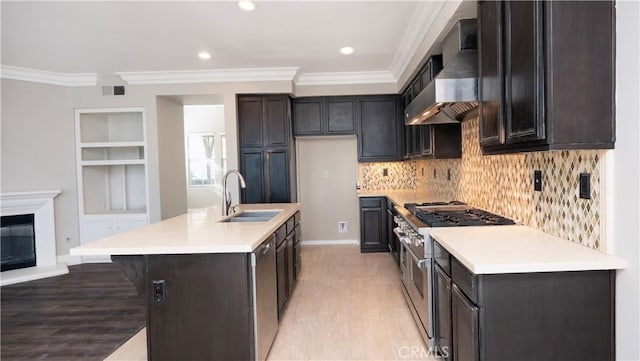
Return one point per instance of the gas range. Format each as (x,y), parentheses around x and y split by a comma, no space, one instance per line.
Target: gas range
(454,214)
(414,223)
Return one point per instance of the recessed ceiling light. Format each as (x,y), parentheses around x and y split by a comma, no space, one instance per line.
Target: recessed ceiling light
(204,55)
(346,50)
(246,5)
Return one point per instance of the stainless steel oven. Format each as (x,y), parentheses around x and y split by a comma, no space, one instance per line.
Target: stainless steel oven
(417,278)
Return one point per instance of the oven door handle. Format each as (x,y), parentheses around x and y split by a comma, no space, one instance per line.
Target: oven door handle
(420,263)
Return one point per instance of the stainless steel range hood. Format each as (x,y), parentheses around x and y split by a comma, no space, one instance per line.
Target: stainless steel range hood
(454,91)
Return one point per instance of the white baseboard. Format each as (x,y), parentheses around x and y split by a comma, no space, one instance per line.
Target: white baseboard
(331,242)
(69,259)
(73,260)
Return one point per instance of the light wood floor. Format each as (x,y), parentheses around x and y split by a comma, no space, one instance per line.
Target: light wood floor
(346,306)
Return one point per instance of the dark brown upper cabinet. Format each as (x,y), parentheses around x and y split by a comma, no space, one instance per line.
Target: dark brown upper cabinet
(324,116)
(380,128)
(438,141)
(263,120)
(546,75)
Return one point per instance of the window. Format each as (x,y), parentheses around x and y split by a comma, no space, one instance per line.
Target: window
(201,159)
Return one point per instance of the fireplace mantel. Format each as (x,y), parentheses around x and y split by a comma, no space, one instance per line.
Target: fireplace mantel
(40,203)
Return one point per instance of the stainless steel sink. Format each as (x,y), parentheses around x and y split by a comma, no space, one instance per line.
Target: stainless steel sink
(252,216)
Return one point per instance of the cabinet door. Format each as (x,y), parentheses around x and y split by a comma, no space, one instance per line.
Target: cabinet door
(524,71)
(276,121)
(250,121)
(123,225)
(490,73)
(282,277)
(341,115)
(277,176)
(426,140)
(379,129)
(308,115)
(291,281)
(297,266)
(464,318)
(443,314)
(373,225)
(252,163)
(93,229)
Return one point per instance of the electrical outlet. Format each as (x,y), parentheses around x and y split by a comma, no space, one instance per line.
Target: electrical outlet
(537,180)
(385,172)
(585,185)
(159,292)
(343,226)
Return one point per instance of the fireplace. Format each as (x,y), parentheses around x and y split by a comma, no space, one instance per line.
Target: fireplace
(17,242)
(28,229)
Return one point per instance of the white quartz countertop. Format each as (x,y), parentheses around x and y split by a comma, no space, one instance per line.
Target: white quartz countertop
(198,231)
(519,249)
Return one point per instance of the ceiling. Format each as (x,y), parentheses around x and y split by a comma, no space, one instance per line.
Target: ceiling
(119,36)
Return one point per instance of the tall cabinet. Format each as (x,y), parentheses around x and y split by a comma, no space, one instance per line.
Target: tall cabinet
(112,171)
(267,159)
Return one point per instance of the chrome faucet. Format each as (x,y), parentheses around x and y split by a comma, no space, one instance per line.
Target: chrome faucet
(226,196)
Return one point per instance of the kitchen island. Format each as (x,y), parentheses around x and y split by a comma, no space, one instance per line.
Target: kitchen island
(210,283)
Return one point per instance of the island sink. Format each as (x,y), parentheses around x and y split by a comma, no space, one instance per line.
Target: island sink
(252,216)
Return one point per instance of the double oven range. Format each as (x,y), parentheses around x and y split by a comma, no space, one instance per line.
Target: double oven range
(412,227)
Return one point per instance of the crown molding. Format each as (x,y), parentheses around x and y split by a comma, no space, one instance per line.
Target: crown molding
(48,77)
(209,76)
(425,26)
(346,78)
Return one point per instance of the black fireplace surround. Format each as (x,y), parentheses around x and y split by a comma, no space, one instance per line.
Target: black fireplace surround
(18,242)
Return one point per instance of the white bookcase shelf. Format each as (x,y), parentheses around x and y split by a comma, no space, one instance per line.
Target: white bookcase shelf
(112,171)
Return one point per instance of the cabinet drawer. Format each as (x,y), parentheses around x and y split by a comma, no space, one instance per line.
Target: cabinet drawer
(372,202)
(291,223)
(297,217)
(281,235)
(442,257)
(465,279)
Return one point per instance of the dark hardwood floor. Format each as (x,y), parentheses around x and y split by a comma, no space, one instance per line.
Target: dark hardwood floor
(84,315)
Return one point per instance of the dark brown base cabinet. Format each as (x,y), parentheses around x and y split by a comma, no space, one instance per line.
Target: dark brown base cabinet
(373,224)
(546,75)
(526,316)
(288,261)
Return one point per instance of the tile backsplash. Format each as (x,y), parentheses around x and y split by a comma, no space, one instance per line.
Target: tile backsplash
(504,184)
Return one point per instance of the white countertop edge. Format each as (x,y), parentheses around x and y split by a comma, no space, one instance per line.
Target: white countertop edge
(607,262)
(161,250)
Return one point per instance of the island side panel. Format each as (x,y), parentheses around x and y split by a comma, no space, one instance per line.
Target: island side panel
(134,268)
(206,311)
(548,316)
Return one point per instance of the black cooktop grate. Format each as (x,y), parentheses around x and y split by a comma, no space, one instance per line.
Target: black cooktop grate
(468,217)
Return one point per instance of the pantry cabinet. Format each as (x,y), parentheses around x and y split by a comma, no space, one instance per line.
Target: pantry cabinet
(546,75)
(267,159)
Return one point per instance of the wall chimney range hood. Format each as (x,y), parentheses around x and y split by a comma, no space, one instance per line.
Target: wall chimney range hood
(454,91)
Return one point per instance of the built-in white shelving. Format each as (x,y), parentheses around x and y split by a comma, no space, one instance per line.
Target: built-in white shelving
(112,171)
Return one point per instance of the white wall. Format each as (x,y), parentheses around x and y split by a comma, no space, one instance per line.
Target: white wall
(624,195)
(205,119)
(38,150)
(173,184)
(327,176)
